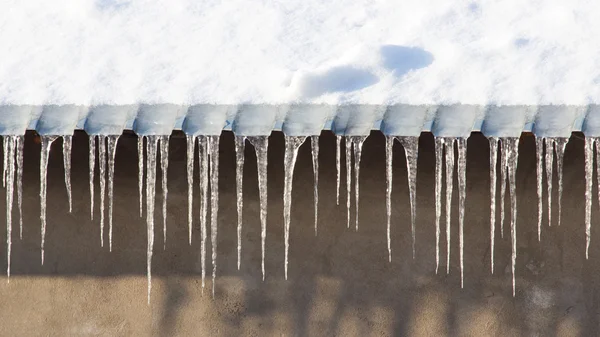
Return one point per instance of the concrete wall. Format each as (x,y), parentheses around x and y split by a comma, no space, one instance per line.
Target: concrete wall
(340,282)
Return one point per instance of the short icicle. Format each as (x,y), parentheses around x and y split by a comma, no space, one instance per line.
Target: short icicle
(19,149)
(10,181)
(560,146)
(589,173)
(549,142)
(493,164)
(513,156)
(439,150)
(314,144)
(203,153)
(92,168)
(292,144)
(102,164)
(150,200)
(462,196)
(338,145)
(45,153)
(503,180)
(348,177)
(449,144)
(67,144)
(112,141)
(240,146)
(191,142)
(140,146)
(411,150)
(261,147)
(389,146)
(213,144)
(539,170)
(164,169)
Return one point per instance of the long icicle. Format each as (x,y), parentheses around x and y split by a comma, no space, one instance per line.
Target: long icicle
(164,169)
(348,176)
(261,147)
(493,164)
(357,143)
(112,151)
(539,155)
(560,146)
(411,150)
(389,145)
(597,141)
(10,177)
(439,150)
(449,144)
(140,146)
(240,146)
(67,144)
(338,145)
(19,149)
(203,166)
(92,168)
(191,142)
(589,173)
(462,196)
(44,154)
(213,142)
(314,144)
(549,142)
(102,164)
(513,156)
(503,179)
(150,199)
(292,144)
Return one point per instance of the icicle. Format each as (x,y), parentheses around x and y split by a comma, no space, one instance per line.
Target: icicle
(5,158)
(191,142)
(411,151)
(439,149)
(389,145)
(314,143)
(493,163)
(10,177)
(240,146)
(150,199)
(19,149)
(561,144)
(549,161)
(539,150)
(462,196)
(513,156)
(141,170)
(357,143)
(164,168)
(102,164)
(348,177)
(67,142)
(92,168)
(503,172)
(589,173)
(449,144)
(292,144)
(261,145)
(338,145)
(112,150)
(213,142)
(44,154)
(203,166)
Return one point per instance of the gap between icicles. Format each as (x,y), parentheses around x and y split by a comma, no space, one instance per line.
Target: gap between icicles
(503,151)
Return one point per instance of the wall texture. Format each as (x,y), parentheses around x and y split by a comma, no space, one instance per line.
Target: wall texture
(340,282)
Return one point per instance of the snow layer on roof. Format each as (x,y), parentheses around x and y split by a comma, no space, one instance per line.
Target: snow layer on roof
(299,51)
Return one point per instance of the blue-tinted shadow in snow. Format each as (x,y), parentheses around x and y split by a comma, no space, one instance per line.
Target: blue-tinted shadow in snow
(337,79)
(401,60)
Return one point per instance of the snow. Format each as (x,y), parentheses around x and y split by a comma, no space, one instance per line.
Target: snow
(184,52)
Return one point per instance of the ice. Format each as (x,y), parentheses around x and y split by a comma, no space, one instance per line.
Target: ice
(67,143)
(203,152)
(449,144)
(5,146)
(357,143)
(112,141)
(19,149)
(240,146)
(561,144)
(338,145)
(462,196)
(348,177)
(292,144)
(314,143)
(150,199)
(439,149)
(102,164)
(261,146)
(589,173)
(539,151)
(44,154)
(9,154)
(141,170)
(597,141)
(164,168)
(493,164)
(389,145)
(503,178)
(213,143)
(513,155)
(191,142)
(411,150)
(549,161)
(92,168)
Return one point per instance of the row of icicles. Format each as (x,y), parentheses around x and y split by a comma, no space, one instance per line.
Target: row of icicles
(209,168)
